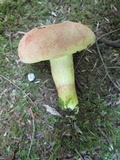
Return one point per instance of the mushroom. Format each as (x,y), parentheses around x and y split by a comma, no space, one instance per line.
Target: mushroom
(57,43)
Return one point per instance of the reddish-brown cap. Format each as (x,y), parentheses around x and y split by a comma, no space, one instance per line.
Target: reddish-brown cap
(53,41)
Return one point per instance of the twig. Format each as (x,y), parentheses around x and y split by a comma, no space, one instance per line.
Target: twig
(114,67)
(108,33)
(25,95)
(80,59)
(11,82)
(33,132)
(78,154)
(115,43)
(10,41)
(33,120)
(105,67)
(106,138)
(21,32)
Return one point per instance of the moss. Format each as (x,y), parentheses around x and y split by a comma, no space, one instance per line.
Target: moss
(57,137)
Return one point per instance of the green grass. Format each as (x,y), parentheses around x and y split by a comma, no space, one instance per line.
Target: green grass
(22,114)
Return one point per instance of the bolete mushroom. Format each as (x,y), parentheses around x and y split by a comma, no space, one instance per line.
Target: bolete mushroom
(57,43)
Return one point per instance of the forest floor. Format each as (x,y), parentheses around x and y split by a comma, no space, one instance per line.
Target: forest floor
(27,130)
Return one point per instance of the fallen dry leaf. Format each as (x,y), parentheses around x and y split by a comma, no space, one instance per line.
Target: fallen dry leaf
(51,110)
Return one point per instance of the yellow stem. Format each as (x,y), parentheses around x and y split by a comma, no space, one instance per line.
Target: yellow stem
(63,75)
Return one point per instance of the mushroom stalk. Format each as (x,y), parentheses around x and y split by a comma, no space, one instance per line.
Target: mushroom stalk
(63,75)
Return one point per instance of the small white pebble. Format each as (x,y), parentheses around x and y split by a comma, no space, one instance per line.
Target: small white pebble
(31,77)
(5,134)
